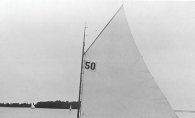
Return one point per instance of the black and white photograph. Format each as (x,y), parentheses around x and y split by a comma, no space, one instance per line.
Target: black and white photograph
(97,59)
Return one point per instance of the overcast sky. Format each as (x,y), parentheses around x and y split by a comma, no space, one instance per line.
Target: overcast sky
(41,45)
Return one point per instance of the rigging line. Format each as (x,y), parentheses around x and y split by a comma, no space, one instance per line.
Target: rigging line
(103,29)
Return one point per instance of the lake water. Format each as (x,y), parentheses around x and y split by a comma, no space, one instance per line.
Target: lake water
(6,112)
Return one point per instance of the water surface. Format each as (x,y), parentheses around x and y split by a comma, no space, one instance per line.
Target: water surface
(8,112)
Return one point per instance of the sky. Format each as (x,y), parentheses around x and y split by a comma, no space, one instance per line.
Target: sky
(41,46)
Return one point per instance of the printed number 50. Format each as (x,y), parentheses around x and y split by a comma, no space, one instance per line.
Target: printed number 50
(90,65)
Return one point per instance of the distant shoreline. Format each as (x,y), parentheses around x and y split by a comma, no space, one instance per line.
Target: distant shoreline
(44,104)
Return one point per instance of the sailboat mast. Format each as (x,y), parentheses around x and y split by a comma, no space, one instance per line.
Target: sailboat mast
(81,74)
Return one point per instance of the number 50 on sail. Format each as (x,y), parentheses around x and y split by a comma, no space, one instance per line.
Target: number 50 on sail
(90,65)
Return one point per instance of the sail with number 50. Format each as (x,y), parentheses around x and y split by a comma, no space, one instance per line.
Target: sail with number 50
(116,82)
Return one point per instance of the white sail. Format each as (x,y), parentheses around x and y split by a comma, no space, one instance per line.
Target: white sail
(116,82)
(70,108)
(32,106)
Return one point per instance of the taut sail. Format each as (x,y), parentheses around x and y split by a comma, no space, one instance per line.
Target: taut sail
(116,82)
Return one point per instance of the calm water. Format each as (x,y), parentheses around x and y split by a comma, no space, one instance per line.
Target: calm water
(6,112)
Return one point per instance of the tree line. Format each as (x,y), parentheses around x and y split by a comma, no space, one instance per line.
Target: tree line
(45,104)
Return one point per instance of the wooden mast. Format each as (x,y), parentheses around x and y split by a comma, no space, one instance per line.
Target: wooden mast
(81,74)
